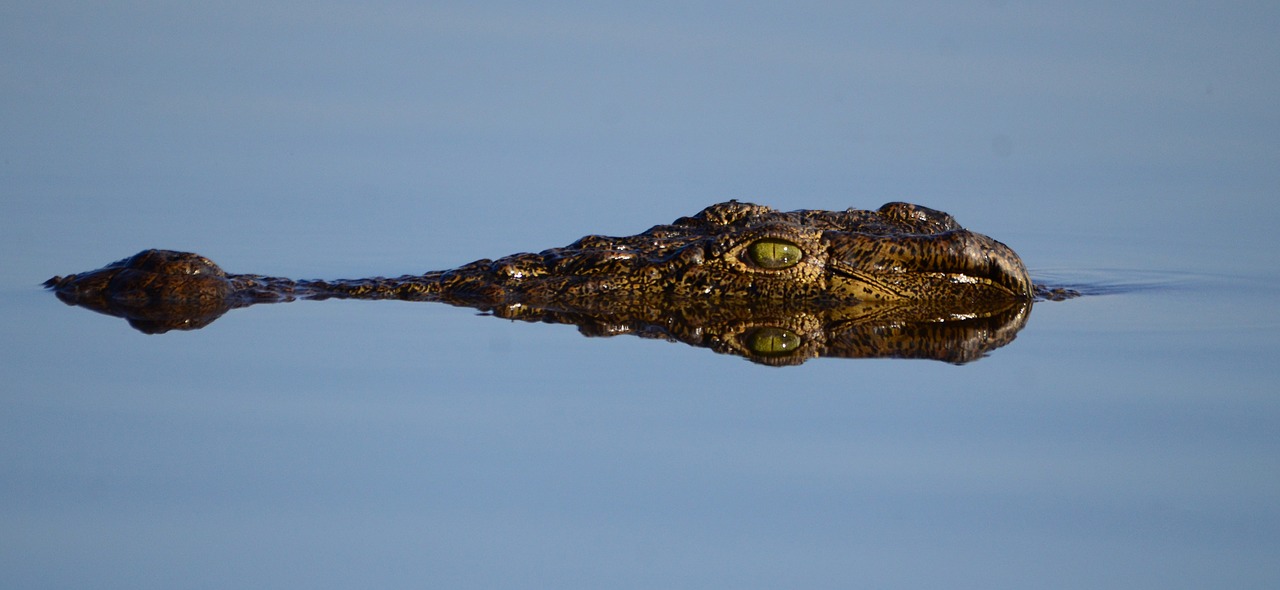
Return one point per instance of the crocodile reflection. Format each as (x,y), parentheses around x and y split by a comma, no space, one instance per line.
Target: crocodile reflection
(777,288)
(771,335)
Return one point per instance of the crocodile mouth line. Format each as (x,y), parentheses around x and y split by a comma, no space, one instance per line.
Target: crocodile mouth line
(872,286)
(861,280)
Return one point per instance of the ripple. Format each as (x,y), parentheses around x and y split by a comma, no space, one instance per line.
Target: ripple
(1122,281)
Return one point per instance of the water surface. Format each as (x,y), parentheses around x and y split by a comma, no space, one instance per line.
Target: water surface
(1125,439)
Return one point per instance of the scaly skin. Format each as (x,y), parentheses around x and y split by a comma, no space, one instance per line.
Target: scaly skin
(729,263)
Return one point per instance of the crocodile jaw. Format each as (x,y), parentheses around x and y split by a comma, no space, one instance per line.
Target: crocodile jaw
(953,265)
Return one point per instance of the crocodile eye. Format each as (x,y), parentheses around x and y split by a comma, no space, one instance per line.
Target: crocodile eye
(769,341)
(774,254)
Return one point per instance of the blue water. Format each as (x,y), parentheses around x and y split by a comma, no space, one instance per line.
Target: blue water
(1125,439)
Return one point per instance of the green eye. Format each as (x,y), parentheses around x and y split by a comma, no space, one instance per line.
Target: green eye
(772,341)
(773,254)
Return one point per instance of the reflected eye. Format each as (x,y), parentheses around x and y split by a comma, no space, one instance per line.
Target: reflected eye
(770,341)
(774,254)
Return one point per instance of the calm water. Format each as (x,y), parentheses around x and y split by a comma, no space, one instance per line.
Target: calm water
(1127,439)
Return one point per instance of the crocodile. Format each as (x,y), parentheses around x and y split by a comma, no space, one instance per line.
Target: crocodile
(775,287)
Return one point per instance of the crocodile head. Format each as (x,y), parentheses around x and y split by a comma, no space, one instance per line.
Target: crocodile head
(741,253)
